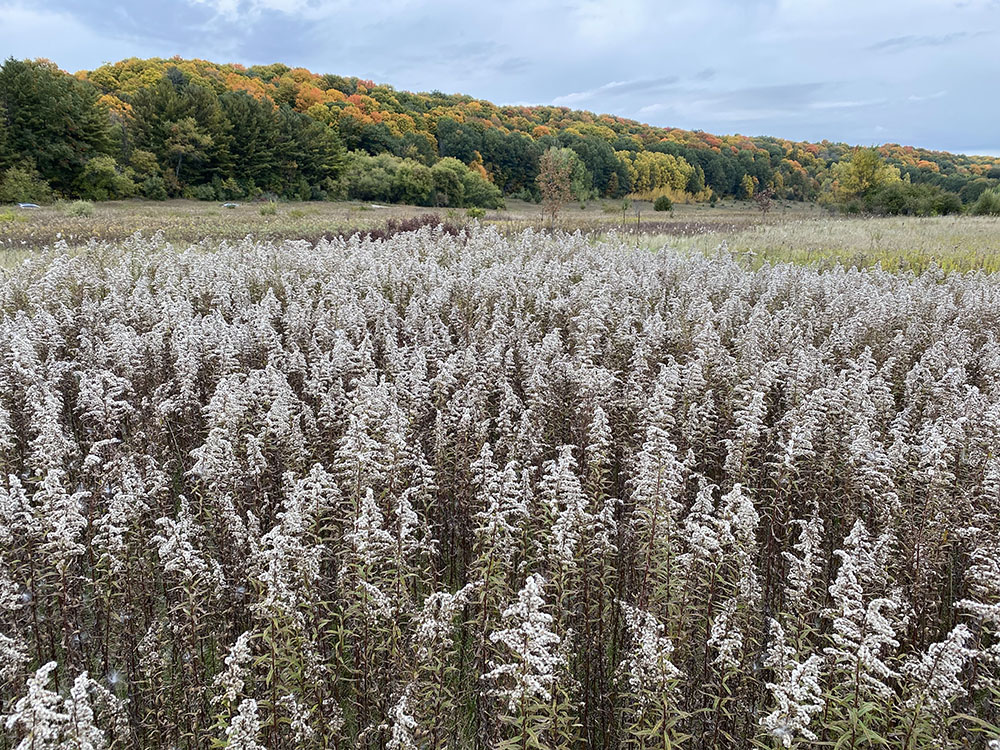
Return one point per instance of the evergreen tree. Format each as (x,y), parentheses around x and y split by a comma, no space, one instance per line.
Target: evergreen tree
(52,119)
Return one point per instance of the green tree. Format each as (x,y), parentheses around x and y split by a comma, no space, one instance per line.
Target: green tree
(599,161)
(309,156)
(254,131)
(415,183)
(183,124)
(449,183)
(52,119)
(6,156)
(187,147)
(511,159)
(459,140)
(696,181)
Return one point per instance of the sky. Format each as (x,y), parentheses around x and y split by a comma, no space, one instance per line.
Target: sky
(916,72)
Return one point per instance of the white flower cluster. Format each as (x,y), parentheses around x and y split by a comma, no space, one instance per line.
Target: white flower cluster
(244,727)
(937,672)
(530,644)
(799,697)
(648,668)
(45,720)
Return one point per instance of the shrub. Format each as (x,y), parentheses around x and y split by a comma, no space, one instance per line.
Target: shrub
(476,213)
(23,184)
(204,193)
(479,192)
(269,209)
(154,188)
(82,209)
(988,203)
(663,203)
(102,179)
(902,198)
(411,224)
(971,191)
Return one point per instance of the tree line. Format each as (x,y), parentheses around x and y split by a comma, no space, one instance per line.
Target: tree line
(196,129)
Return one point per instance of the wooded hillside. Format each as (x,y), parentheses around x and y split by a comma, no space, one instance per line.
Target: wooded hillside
(165,128)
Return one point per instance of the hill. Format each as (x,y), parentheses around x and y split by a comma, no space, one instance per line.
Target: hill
(195,128)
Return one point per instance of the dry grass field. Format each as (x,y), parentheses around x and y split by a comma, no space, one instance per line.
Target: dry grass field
(800,233)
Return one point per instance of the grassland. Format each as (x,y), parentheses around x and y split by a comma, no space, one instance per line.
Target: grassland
(800,233)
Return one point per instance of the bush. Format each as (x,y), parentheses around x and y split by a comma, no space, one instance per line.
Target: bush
(204,193)
(663,203)
(23,184)
(526,195)
(988,203)
(480,193)
(902,198)
(154,188)
(82,209)
(476,213)
(390,179)
(971,191)
(269,209)
(102,179)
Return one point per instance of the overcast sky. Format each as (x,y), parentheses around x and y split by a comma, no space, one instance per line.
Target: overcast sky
(919,72)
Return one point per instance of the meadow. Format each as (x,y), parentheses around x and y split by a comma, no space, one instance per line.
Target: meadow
(499,488)
(792,232)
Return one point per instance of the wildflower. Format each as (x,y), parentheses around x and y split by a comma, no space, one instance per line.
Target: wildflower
(799,697)
(232,679)
(726,637)
(532,647)
(46,720)
(862,634)
(562,494)
(244,727)
(649,669)
(403,725)
(935,673)
(805,563)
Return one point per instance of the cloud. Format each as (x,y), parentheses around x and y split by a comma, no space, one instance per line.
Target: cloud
(616,88)
(63,37)
(926,97)
(911,41)
(847,104)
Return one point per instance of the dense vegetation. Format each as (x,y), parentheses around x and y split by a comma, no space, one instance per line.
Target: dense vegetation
(160,128)
(467,492)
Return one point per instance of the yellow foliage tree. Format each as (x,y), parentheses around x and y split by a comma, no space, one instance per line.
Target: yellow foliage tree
(865,171)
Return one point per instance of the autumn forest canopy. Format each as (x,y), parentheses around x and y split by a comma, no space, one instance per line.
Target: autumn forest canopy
(159,129)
